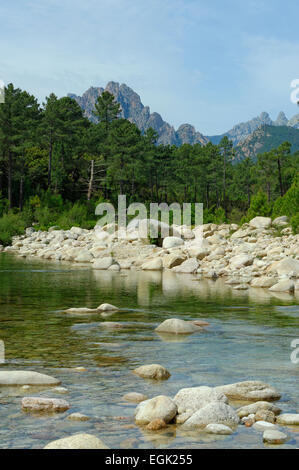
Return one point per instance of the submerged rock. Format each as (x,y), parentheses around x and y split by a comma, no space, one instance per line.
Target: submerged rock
(44,404)
(220,429)
(152,371)
(107,308)
(274,437)
(177,326)
(78,441)
(161,407)
(78,417)
(135,397)
(156,425)
(19,377)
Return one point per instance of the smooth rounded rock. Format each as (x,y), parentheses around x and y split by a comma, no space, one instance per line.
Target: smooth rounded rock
(135,397)
(220,429)
(177,326)
(274,437)
(78,441)
(250,390)
(19,377)
(152,371)
(288,419)
(194,398)
(44,404)
(213,413)
(161,407)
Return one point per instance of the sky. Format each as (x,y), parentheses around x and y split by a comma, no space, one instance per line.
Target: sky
(211,63)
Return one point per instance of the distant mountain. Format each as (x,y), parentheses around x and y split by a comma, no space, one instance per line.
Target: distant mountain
(135,111)
(241,131)
(265,138)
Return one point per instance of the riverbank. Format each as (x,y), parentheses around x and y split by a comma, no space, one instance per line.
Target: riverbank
(260,253)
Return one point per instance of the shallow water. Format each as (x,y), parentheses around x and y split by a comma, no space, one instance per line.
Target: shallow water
(249,339)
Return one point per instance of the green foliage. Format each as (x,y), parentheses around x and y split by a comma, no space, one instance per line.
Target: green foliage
(11,224)
(295,223)
(289,203)
(259,206)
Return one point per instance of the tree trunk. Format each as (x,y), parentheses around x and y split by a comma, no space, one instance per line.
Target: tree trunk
(21,194)
(50,161)
(269,191)
(9,179)
(90,184)
(280,177)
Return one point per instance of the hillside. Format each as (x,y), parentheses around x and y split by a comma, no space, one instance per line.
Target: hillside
(266,138)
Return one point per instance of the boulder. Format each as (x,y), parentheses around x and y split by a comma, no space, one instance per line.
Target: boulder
(261,222)
(78,441)
(239,261)
(155,264)
(172,242)
(263,281)
(189,266)
(220,429)
(250,390)
(107,308)
(288,419)
(152,371)
(172,260)
(264,425)
(198,252)
(176,326)
(161,407)
(135,397)
(256,407)
(281,221)
(44,404)
(84,257)
(103,263)
(287,266)
(283,286)
(20,377)
(215,412)
(192,399)
(274,437)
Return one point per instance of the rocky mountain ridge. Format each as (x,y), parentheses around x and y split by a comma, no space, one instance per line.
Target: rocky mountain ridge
(135,111)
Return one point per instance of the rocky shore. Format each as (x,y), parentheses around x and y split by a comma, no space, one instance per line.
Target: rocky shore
(262,253)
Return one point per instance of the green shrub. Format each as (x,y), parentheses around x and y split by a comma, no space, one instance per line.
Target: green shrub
(259,206)
(11,224)
(289,203)
(295,223)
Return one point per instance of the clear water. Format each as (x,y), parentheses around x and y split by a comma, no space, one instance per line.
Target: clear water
(249,338)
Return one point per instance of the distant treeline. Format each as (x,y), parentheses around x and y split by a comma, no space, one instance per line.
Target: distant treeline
(55,166)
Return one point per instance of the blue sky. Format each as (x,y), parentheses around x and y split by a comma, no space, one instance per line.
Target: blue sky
(210,63)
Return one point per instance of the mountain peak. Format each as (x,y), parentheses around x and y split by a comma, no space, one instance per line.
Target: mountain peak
(133,109)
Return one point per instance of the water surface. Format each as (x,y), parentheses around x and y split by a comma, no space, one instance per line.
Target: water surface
(249,339)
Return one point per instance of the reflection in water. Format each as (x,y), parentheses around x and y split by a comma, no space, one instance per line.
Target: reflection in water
(249,338)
